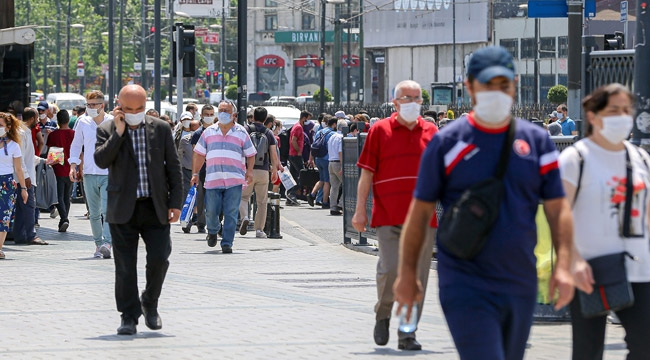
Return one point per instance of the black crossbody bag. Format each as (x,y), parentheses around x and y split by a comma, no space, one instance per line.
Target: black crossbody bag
(465,226)
(612,290)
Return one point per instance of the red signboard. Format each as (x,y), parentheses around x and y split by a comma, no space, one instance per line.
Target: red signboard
(272,61)
(211,38)
(353,63)
(200,31)
(309,60)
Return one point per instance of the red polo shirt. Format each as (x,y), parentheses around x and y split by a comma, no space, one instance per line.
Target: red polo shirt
(299,134)
(392,152)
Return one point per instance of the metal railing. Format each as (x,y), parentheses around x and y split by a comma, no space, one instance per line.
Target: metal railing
(606,67)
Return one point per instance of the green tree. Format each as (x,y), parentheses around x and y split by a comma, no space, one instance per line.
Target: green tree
(231,92)
(426,99)
(328,95)
(557,94)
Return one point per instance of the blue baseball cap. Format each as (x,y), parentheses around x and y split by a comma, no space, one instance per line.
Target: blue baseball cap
(43,105)
(489,62)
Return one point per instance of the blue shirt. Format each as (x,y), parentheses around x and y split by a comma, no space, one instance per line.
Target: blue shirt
(463,154)
(568,126)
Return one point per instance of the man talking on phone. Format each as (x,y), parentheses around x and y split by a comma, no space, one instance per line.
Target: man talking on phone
(144,197)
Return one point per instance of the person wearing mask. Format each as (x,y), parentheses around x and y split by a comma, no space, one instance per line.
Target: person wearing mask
(354,130)
(153,113)
(46,124)
(145,198)
(568,125)
(335,153)
(595,178)
(62,138)
(554,127)
(95,179)
(229,155)
(296,163)
(194,110)
(184,148)
(23,228)
(207,119)
(322,163)
(10,163)
(183,127)
(264,164)
(488,298)
(390,160)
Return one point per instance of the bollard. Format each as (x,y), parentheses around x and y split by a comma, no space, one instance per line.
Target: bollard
(272,226)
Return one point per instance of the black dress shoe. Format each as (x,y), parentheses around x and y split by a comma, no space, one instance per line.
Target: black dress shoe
(226,249)
(128,326)
(409,344)
(381,331)
(151,318)
(212,240)
(201,229)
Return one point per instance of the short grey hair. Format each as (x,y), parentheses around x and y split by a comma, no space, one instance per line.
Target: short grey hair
(406,84)
(232,104)
(341,124)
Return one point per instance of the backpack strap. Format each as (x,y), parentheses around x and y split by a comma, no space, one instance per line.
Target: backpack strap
(581,165)
(506,149)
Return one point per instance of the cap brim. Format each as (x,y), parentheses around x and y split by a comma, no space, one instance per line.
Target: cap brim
(491,72)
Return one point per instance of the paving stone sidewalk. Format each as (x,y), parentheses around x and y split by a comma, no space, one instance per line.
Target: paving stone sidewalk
(302,297)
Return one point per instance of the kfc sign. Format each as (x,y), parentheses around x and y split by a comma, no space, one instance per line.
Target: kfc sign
(272,61)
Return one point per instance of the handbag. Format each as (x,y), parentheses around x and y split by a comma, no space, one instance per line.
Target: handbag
(465,226)
(612,291)
(188,207)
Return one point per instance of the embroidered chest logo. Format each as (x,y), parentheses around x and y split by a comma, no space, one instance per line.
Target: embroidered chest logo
(521,147)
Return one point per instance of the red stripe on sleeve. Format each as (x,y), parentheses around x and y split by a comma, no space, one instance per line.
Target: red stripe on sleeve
(543,170)
(458,158)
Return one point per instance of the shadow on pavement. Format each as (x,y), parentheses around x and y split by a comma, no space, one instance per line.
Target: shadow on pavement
(618,346)
(140,335)
(395,352)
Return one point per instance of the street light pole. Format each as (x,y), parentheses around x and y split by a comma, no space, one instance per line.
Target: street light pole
(119,45)
(348,25)
(143,46)
(321,107)
(67,48)
(57,72)
(222,53)
(111,53)
(82,79)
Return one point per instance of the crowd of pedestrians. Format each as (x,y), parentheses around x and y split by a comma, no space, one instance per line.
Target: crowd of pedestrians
(136,169)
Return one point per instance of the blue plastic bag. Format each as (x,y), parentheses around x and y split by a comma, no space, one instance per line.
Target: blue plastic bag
(188,207)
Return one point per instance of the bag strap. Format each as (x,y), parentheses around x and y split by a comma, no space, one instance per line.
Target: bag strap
(581,166)
(629,189)
(505,150)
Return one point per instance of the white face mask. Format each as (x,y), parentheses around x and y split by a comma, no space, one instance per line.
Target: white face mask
(93,113)
(208,120)
(42,116)
(493,106)
(197,116)
(224,118)
(186,123)
(616,128)
(3,131)
(323,125)
(134,119)
(409,112)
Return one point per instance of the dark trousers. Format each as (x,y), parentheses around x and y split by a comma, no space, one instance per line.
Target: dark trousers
(125,252)
(63,190)
(23,230)
(296,164)
(589,334)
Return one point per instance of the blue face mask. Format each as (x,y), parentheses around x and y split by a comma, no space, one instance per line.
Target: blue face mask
(224,118)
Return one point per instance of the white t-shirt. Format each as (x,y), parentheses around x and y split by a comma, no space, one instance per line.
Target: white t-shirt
(7,161)
(599,207)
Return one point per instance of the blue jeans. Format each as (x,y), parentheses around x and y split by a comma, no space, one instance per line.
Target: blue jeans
(96,196)
(226,200)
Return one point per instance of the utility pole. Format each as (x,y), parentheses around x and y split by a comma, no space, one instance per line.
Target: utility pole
(7,14)
(321,107)
(574,62)
(143,46)
(336,55)
(453,22)
(222,52)
(111,53)
(242,35)
(57,72)
(641,136)
(348,63)
(67,48)
(362,56)
(156,57)
(171,41)
(536,98)
(120,41)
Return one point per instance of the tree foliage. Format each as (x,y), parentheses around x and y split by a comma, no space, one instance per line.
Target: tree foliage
(231,92)
(557,94)
(426,99)
(328,95)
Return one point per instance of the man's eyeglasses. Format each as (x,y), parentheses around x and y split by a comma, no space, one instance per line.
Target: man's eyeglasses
(408,99)
(93,105)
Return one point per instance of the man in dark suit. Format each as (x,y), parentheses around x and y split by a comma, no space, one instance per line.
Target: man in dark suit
(144,197)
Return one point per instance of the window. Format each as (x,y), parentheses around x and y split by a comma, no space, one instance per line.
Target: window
(547,48)
(546,82)
(271,3)
(308,21)
(563,79)
(271,22)
(528,48)
(563,46)
(527,89)
(512,45)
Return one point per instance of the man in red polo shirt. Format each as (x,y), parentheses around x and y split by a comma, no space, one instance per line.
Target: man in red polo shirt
(389,163)
(296,143)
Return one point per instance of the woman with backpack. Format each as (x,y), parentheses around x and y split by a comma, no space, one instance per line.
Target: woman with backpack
(606,178)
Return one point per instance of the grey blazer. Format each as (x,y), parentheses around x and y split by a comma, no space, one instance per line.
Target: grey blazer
(115,153)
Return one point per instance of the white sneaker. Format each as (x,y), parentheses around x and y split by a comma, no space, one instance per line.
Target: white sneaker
(613,319)
(260,234)
(98,254)
(54,213)
(105,251)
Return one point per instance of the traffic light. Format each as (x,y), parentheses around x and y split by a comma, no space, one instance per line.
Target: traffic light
(187,46)
(208,77)
(615,41)
(215,78)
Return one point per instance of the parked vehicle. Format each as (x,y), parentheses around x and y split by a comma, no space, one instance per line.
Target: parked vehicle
(289,115)
(280,100)
(66,101)
(305,99)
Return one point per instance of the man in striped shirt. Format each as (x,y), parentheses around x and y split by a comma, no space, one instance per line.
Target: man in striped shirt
(229,155)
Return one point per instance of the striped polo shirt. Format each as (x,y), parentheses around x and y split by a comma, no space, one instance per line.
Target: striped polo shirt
(225,156)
